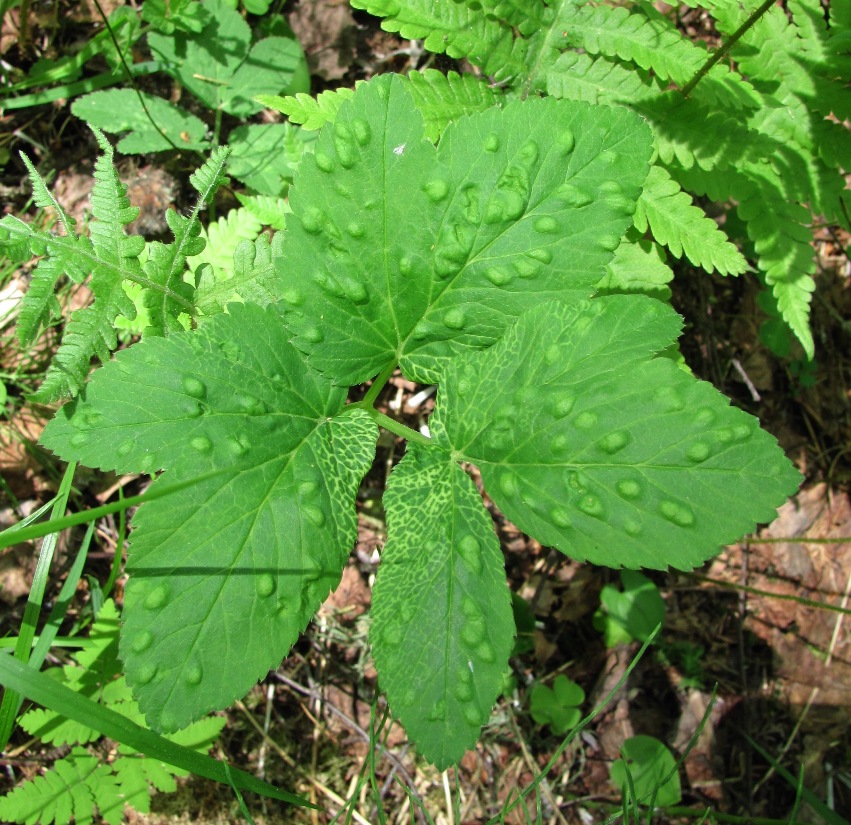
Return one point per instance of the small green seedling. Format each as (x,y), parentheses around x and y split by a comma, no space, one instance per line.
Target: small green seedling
(647,773)
(558,706)
(631,614)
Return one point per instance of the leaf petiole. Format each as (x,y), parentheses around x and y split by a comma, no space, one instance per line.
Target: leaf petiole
(397,428)
(378,385)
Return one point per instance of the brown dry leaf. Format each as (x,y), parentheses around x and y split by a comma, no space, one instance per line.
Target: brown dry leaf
(326,31)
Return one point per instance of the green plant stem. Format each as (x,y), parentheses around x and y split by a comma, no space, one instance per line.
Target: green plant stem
(757,592)
(120,54)
(119,547)
(12,700)
(378,385)
(725,48)
(397,428)
(61,699)
(682,810)
(79,87)
(16,536)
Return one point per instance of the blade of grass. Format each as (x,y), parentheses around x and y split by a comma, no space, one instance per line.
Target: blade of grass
(51,694)
(827,814)
(11,700)
(12,535)
(57,614)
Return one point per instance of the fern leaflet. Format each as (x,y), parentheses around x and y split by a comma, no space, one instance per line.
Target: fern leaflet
(457,29)
(683,228)
(442,98)
(167,263)
(311,112)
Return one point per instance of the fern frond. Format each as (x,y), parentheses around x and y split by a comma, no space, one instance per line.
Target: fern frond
(90,332)
(683,228)
(442,98)
(44,198)
(220,242)
(527,16)
(783,242)
(652,42)
(252,277)
(62,256)
(311,112)
(691,134)
(71,788)
(269,210)
(454,28)
(576,76)
(166,264)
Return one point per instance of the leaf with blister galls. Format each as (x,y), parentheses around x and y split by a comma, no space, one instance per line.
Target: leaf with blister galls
(442,626)
(589,443)
(402,252)
(224,574)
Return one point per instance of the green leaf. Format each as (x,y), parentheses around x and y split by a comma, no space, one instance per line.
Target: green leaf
(638,266)
(430,252)
(459,29)
(265,156)
(442,626)
(226,573)
(221,67)
(590,444)
(633,613)
(557,706)
(167,15)
(647,761)
(162,128)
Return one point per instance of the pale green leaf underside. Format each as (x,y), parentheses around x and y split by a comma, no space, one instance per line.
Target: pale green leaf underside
(225,574)
(591,445)
(442,626)
(427,253)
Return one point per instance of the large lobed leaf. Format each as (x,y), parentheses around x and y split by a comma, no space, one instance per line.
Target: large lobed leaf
(590,444)
(226,573)
(400,252)
(442,624)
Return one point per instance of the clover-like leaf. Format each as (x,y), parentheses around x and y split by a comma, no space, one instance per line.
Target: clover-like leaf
(591,445)
(633,613)
(403,252)
(557,706)
(226,573)
(442,624)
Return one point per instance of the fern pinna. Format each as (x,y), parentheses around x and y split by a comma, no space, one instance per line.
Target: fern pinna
(110,259)
(761,128)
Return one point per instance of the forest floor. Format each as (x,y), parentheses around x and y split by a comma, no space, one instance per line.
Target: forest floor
(753,649)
